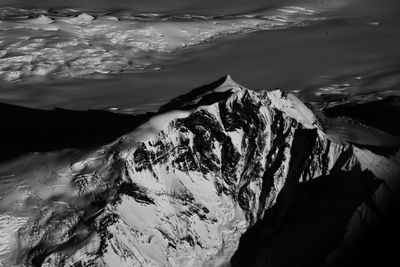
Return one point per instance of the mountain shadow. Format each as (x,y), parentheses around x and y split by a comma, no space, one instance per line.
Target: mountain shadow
(25,130)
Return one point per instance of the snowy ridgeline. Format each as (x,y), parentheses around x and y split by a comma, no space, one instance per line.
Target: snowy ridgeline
(69,43)
(178,191)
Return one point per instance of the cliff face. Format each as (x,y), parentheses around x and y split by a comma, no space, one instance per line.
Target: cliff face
(183,188)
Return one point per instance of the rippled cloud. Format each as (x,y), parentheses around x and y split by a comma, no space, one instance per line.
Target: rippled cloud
(35,44)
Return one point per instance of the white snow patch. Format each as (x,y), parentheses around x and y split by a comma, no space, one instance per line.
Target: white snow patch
(293,108)
(9,225)
(150,129)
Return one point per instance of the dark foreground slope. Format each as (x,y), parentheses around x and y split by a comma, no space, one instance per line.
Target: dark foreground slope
(215,166)
(27,130)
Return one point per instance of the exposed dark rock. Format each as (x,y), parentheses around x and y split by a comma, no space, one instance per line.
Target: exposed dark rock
(135,191)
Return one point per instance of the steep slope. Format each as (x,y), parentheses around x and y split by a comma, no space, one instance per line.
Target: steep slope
(183,187)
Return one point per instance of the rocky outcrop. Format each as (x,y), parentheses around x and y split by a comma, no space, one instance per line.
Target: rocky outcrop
(183,188)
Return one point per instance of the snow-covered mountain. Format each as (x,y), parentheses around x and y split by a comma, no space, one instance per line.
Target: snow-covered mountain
(184,187)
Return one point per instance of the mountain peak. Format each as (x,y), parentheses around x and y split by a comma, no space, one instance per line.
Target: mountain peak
(227,84)
(204,95)
(225,88)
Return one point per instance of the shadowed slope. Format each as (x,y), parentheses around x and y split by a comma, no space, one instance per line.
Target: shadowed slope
(26,130)
(379,114)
